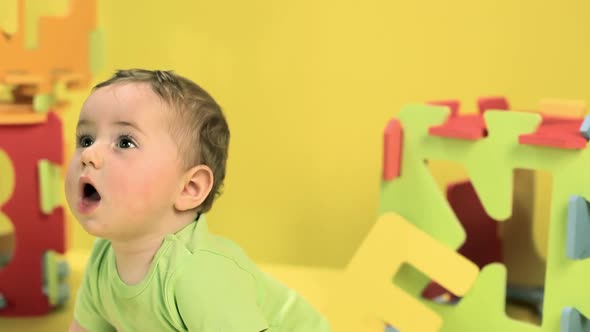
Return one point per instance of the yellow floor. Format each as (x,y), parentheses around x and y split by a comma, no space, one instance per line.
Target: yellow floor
(324,288)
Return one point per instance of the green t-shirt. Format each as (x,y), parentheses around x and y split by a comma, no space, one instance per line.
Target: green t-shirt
(197,282)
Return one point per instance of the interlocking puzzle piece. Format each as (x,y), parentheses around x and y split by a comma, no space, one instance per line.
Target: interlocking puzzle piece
(392,150)
(54,274)
(490,163)
(578,228)
(392,242)
(464,127)
(22,279)
(5,258)
(573,321)
(483,245)
(5,93)
(96,51)
(417,181)
(61,49)
(561,108)
(490,174)
(63,270)
(51,282)
(42,102)
(391,329)
(530,296)
(469,126)
(452,104)
(14,114)
(492,103)
(50,182)
(492,178)
(482,309)
(563,135)
(585,127)
(560,128)
(6,189)
(34,10)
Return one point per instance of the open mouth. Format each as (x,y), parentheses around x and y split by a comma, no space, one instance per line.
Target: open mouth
(89,197)
(89,193)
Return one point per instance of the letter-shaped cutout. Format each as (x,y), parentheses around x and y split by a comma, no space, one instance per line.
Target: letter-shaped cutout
(392,242)
(6,188)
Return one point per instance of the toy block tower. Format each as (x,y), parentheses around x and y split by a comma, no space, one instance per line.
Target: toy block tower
(42,55)
(471,250)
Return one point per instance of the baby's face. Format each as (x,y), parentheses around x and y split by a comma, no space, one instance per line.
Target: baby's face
(125,171)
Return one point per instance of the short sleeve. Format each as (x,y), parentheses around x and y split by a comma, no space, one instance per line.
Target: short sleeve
(213,293)
(86,312)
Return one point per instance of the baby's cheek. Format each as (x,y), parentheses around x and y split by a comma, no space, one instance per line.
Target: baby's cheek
(137,192)
(71,184)
(123,189)
(144,185)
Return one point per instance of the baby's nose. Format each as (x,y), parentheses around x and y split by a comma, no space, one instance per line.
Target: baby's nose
(91,156)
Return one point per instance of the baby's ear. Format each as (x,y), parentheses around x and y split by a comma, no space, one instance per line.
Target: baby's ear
(196,186)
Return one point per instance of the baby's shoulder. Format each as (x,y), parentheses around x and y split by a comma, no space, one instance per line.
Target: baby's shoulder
(217,263)
(213,275)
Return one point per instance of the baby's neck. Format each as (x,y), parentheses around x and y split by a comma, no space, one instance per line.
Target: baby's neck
(133,257)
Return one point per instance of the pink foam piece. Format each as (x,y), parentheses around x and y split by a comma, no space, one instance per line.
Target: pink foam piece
(392,150)
(492,103)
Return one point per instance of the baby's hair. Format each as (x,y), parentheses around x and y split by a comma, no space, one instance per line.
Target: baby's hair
(198,126)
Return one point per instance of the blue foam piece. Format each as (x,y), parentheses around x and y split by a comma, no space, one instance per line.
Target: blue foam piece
(532,296)
(390,329)
(578,228)
(5,259)
(64,294)
(63,270)
(573,321)
(2,301)
(585,127)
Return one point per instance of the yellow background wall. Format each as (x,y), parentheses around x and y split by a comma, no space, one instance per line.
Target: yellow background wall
(308,86)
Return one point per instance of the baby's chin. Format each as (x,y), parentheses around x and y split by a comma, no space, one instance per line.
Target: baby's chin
(94,227)
(115,229)
(97,226)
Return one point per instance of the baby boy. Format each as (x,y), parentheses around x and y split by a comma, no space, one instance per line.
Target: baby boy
(150,158)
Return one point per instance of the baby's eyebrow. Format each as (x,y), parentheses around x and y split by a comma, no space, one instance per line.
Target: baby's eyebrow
(84,122)
(128,124)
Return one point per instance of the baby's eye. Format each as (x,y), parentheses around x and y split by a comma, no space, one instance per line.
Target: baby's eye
(125,143)
(84,141)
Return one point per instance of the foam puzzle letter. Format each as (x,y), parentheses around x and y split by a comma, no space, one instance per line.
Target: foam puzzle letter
(392,242)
